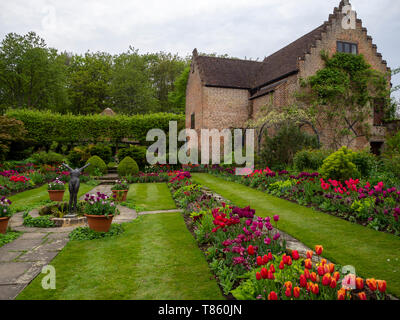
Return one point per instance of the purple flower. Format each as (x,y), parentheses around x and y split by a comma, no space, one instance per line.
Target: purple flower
(267,241)
(276,218)
(276,236)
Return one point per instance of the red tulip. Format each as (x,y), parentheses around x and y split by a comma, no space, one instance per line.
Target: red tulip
(321,270)
(309,254)
(289,261)
(307,273)
(258,276)
(296,292)
(313,277)
(323,262)
(303,281)
(372,284)
(265,259)
(288,292)
(326,280)
(362,296)
(284,258)
(260,261)
(270,257)
(336,275)
(382,285)
(282,265)
(308,264)
(272,296)
(251,250)
(264,273)
(315,289)
(341,294)
(270,275)
(318,250)
(359,283)
(288,284)
(295,255)
(333,283)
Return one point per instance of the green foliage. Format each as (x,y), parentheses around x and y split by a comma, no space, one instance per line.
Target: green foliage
(177,97)
(309,159)
(127,167)
(392,145)
(78,156)
(8,237)
(365,162)
(50,158)
(97,165)
(85,233)
(11,130)
(339,165)
(45,127)
(38,222)
(111,165)
(137,153)
(32,75)
(101,150)
(392,165)
(278,151)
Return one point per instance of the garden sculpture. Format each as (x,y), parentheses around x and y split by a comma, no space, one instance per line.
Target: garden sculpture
(73,187)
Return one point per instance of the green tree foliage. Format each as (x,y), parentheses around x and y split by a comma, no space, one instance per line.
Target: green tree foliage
(164,70)
(11,130)
(177,97)
(308,159)
(278,151)
(339,165)
(31,74)
(340,96)
(127,167)
(137,153)
(131,87)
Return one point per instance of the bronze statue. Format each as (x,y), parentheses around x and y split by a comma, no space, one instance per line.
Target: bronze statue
(74,184)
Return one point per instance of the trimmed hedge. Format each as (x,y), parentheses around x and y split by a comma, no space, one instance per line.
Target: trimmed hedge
(96,163)
(127,167)
(45,127)
(137,153)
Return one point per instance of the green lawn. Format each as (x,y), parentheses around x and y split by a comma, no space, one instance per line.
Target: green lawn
(151,196)
(372,253)
(34,197)
(155,258)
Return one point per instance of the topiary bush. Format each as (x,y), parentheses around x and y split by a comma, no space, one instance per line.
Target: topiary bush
(137,153)
(96,165)
(127,167)
(339,165)
(310,159)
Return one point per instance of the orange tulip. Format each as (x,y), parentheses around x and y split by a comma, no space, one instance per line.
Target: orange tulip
(323,262)
(333,283)
(362,296)
(296,292)
(288,284)
(289,261)
(331,267)
(372,284)
(309,254)
(288,292)
(319,249)
(359,283)
(382,285)
(341,294)
(326,280)
(336,275)
(308,263)
(315,289)
(313,277)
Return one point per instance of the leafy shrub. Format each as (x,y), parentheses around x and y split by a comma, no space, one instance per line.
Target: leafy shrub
(127,167)
(365,162)
(278,151)
(393,145)
(78,156)
(339,165)
(85,233)
(137,153)
(50,158)
(310,159)
(11,130)
(38,222)
(97,165)
(111,165)
(101,150)
(392,165)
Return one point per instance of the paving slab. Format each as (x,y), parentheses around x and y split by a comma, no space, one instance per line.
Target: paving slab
(22,245)
(9,292)
(54,245)
(10,272)
(32,235)
(8,256)
(39,254)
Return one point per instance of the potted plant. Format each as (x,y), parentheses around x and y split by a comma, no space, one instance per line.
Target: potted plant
(120,190)
(56,190)
(99,211)
(5,214)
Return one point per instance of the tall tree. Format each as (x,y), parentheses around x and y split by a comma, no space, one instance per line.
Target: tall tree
(131,88)
(177,97)
(31,75)
(90,82)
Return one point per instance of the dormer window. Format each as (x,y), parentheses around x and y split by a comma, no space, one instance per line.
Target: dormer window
(347,47)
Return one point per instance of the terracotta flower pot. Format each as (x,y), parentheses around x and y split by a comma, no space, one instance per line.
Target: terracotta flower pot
(99,223)
(4,224)
(120,195)
(56,195)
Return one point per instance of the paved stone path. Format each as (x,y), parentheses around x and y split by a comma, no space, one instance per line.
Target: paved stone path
(23,259)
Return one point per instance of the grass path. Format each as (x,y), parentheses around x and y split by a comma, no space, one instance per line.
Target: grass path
(151,196)
(37,196)
(155,258)
(372,253)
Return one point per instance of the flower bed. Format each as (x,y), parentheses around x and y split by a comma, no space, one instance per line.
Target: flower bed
(146,177)
(249,258)
(376,206)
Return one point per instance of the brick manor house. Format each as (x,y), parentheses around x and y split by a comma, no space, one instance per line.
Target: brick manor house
(226,93)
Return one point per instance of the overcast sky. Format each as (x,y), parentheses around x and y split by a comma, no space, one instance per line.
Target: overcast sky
(239,28)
